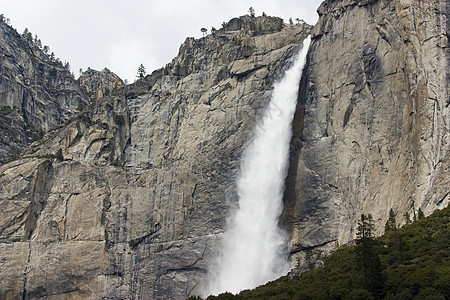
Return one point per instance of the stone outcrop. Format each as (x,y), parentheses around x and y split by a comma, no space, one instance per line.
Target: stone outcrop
(36,93)
(129,199)
(97,84)
(371,130)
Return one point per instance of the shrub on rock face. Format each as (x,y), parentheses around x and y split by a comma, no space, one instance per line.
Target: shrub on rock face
(119,119)
(59,154)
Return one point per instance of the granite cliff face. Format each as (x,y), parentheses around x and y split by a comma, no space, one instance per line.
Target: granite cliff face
(372,125)
(136,200)
(36,93)
(129,197)
(98,84)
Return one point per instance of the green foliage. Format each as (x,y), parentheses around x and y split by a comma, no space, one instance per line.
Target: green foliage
(37,134)
(6,110)
(133,243)
(52,72)
(408,263)
(118,163)
(420,214)
(365,228)
(251,11)
(280,25)
(194,298)
(27,35)
(407,218)
(67,66)
(13,153)
(80,106)
(366,258)
(223,296)
(119,119)
(59,154)
(141,71)
(390,223)
(204,31)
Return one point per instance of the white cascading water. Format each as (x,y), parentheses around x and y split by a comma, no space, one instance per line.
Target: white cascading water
(254,249)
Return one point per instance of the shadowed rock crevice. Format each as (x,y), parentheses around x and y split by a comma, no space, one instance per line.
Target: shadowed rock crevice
(289,215)
(41,187)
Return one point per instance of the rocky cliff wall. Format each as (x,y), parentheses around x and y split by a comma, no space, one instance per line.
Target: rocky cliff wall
(36,93)
(371,130)
(97,84)
(134,204)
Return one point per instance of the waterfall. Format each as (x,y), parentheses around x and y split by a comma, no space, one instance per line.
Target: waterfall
(254,248)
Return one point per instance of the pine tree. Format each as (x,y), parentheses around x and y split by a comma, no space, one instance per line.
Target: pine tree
(67,66)
(390,223)
(365,228)
(141,71)
(407,217)
(27,35)
(251,11)
(420,214)
(367,258)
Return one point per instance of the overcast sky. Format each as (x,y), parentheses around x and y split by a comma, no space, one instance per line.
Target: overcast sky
(122,34)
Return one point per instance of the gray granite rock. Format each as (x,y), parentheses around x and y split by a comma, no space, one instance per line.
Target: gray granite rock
(129,198)
(39,91)
(98,84)
(145,177)
(371,131)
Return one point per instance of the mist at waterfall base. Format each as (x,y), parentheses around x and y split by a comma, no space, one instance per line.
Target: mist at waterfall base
(254,248)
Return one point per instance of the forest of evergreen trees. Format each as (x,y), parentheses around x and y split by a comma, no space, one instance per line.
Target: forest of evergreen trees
(411,262)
